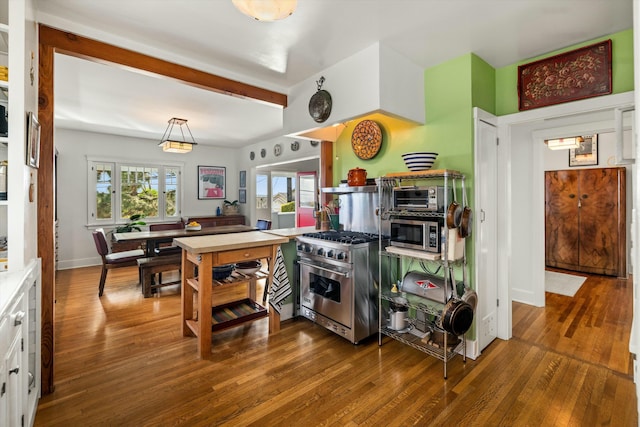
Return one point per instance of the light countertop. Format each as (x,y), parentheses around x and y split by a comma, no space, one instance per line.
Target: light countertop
(292,233)
(225,242)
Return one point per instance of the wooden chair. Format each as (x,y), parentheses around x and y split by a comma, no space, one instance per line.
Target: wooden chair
(113,260)
(264,224)
(166,248)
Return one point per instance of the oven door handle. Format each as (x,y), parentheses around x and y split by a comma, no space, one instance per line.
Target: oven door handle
(323,268)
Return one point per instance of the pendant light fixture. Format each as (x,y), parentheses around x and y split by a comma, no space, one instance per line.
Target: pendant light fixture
(173,145)
(266,10)
(564,143)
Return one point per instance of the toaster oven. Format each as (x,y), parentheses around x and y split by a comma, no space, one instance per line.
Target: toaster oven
(429,198)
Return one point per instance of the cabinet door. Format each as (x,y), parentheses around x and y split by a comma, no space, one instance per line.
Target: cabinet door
(561,219)
(14,391)
(602,205)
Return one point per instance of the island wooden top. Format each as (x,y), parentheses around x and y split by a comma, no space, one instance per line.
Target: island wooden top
(160,234)
(225,242)
(292,233)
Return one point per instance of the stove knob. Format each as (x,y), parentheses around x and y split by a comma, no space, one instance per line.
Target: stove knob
(300,247)
(308,248)
(342,255)
(330,253)
(320,251)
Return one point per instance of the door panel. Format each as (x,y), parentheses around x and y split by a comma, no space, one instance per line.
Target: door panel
(599,219)
(486,232)
(306,200)
(561,202)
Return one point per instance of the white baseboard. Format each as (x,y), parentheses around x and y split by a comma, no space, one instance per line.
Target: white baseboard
(77,263)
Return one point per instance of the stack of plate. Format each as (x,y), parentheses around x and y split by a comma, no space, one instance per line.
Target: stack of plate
(419,160)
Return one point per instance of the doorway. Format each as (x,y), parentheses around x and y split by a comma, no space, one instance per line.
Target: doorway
(522,254)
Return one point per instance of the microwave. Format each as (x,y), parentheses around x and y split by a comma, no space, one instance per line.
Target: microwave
(420,234)
(429,198)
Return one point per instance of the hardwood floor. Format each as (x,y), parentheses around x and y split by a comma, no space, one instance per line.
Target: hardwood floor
(122,360)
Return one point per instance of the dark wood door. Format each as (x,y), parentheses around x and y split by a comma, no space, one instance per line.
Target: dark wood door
(602,205)
(585,220)
(561,219)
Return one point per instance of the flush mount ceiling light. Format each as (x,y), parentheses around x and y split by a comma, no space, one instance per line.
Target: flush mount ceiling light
(564,143)
(173,145)
(266,10)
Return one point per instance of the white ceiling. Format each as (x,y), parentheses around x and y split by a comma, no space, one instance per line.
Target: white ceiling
(211,35)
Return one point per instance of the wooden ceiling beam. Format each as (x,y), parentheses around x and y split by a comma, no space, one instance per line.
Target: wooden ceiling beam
(93,50)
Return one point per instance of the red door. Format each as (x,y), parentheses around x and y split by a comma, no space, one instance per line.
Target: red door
(306,198)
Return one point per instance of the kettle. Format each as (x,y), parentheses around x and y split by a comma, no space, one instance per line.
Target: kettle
(398,318)
(357,177)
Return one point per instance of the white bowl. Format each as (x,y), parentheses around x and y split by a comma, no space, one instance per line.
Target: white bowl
(419,160)
(248,267)
(193,227)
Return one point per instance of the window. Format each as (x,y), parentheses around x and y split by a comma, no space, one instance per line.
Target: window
(118,191)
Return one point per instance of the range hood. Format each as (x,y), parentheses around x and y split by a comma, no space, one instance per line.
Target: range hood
(377,80)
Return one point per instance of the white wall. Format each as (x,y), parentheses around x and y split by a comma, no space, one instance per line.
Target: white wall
(270,161)
(75,244)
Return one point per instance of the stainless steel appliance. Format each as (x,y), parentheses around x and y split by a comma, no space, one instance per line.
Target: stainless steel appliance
(429,198)
(419,233)
(338,281)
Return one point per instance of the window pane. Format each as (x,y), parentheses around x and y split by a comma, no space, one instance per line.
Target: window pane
(307,191)
(282,189)
(139,191)
(171,191)
(104,202)
(262,191)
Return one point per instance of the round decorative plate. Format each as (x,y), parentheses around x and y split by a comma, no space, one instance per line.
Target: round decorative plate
(252,155)
(277,149)
(295,146)
(263,153)
(366,139)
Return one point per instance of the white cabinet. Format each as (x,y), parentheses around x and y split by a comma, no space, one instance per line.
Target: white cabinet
(19,345)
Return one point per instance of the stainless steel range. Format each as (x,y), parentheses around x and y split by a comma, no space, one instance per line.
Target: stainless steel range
(339,281)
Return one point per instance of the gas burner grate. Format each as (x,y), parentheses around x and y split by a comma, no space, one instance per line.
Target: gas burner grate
(347,237)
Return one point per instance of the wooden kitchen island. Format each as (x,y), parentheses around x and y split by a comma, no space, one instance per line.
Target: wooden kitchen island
(234,297)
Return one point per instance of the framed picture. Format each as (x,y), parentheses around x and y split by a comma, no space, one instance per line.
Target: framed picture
(578,74)
(33,140)
(211,182)
(243,179)
(586,154)
(242,196)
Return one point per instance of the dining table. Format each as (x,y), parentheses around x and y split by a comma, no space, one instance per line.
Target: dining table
(152,238)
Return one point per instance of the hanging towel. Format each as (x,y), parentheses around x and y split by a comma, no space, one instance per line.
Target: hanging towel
(280,289)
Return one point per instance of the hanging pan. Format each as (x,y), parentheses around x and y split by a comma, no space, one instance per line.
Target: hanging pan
(466,220)
(454,212)
(320,103)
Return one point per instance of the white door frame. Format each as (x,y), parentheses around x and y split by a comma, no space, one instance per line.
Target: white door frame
(516,232)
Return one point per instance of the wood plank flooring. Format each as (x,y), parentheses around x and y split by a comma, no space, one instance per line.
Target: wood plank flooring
(121,360)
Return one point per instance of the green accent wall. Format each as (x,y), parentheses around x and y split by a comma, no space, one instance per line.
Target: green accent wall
(621,66)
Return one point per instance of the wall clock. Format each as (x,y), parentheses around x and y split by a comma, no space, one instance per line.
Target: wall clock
(366,139)
(277,149)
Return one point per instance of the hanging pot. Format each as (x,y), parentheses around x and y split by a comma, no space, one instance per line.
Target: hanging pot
(320,103)
(457,317)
